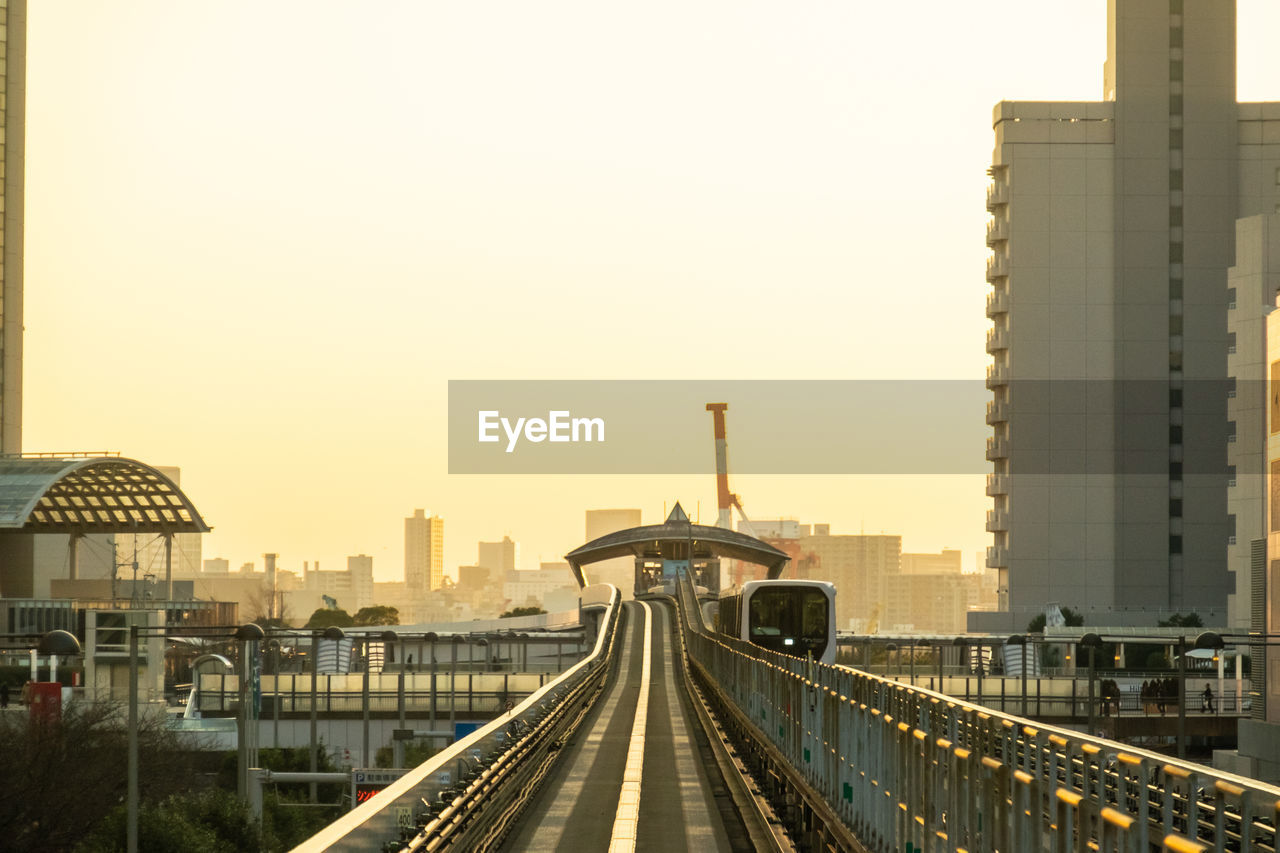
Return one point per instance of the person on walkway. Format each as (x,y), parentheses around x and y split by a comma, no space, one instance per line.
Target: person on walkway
(4,695)
(1206,699)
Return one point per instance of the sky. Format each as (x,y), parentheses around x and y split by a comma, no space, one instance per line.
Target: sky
(260,242)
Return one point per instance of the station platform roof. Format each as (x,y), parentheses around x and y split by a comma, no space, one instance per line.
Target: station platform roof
(56,493)
(649,539)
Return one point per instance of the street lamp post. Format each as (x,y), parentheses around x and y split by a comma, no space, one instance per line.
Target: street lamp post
(274,645)
(1092,642)
(131,809)
(331,633)
(364,703)
(1205,640)
(962,643)
(247,735)
(431,638)
(453,682)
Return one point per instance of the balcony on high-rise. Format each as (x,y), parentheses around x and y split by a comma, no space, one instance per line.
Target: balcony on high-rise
(997,266)
(997,194)
(997,411)
(998,302)
(997,374)
(997,448)
(997,484)
(997,520)
(997,231)
(997,339)
(997,557)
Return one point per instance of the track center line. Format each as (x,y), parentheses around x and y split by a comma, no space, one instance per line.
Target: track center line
(626,822)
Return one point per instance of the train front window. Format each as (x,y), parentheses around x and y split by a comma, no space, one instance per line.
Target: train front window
(789,619)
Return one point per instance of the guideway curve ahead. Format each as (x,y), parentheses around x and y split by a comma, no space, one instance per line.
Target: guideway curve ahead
(632,778)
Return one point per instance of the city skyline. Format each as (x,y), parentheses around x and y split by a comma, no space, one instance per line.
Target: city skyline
(257,231)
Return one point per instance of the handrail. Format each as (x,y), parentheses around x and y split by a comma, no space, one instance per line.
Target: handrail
(906,766)
(384,816)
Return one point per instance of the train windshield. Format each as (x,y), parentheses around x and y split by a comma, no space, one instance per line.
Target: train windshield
(791,620)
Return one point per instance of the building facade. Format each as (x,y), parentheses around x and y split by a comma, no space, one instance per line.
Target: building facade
(619,571)
(13,132)
(424,551)
(1112,231)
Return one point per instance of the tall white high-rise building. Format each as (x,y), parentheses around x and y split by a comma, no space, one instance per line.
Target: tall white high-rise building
(1112,231)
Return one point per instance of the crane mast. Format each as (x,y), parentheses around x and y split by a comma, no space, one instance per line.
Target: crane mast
(724,498)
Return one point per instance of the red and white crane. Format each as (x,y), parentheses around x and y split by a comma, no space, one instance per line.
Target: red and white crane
(725,499)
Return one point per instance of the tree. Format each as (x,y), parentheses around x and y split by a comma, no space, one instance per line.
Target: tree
(65,777)
(1182,620)
(521,611)
(378,614)
(330,618)
(1050,654)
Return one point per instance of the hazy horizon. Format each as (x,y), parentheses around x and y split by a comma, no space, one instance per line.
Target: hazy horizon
(261,239)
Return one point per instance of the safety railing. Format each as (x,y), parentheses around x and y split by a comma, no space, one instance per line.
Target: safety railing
(461,797)
(906,768)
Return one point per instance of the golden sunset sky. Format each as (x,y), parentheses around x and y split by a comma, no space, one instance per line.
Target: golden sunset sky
(262,236)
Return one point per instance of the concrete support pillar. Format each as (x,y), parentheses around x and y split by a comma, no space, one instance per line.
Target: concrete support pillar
(73,555)
(168,567)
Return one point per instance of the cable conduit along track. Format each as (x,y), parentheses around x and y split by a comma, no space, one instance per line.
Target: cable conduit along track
(490,806)
(759,822)
(811,824)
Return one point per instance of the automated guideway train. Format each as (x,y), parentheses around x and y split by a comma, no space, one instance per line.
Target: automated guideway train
(793,617)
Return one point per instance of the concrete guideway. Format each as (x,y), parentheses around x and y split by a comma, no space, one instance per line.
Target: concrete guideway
(632,779)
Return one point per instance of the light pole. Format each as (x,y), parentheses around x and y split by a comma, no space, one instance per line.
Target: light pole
(247,737)
(331,633)
(1206,640)
(962,644)
(431,637)
(364,702)
(1213,641)
(455,641)
(57,644)
(274,645)
(1092,642)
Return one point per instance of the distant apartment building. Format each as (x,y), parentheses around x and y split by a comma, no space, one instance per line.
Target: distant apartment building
(619,571)
(858,565)
(551,587)
(424,551)
(932,593)
(217,566)
(946,562)
(501,556)
(1112,232)
(352,588)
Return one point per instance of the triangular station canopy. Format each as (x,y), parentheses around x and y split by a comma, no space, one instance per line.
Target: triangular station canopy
(677,529)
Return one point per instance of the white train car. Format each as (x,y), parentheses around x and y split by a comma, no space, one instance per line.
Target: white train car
(793,617)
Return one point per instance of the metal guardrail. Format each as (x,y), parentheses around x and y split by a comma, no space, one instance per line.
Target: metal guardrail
(906,768)
(439,804)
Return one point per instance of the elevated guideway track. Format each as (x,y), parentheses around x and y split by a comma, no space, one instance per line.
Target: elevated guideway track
(844,759)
